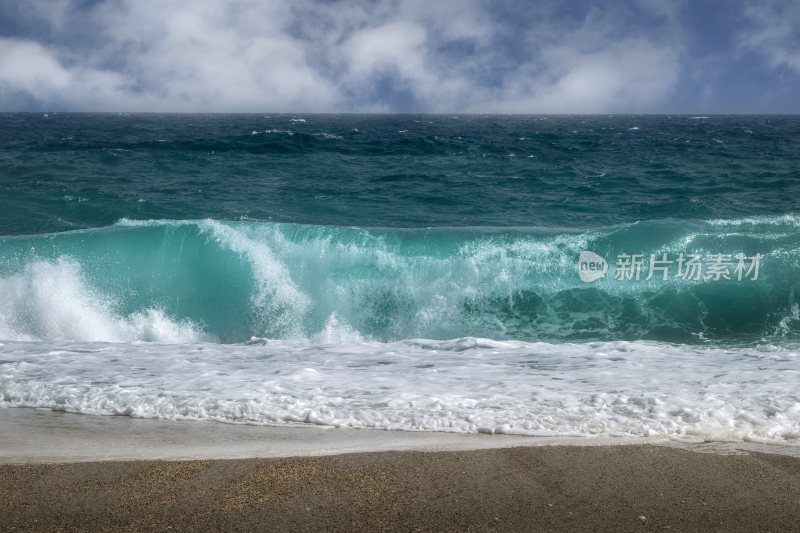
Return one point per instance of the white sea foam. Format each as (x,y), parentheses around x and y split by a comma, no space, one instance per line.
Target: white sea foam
(461,385)
(337,332)
(327,136)
(49,300)
(789,219)
(283,132)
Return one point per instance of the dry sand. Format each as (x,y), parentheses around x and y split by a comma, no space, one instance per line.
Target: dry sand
(557,488)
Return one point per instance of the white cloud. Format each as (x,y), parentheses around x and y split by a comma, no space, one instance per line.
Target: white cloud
(35,70)
(629,76)
(395,49)
(30,66)
(248,55)
(774,32)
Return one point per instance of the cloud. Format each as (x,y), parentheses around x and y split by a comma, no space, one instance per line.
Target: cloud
(405,55)
(31,70)
(31,67)
(630,76)
(774,33)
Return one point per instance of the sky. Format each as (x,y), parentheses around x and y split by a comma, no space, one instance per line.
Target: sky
(401,56)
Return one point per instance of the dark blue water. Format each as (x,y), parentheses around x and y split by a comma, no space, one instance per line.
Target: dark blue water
(397,226)
(69,171)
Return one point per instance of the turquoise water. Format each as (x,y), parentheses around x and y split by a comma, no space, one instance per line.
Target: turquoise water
(406,272)
(240,279)
(403,226)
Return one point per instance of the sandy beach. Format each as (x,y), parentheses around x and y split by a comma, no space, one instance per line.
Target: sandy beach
(565,487)
(558,488)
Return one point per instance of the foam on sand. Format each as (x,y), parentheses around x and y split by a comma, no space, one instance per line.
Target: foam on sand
(36,436)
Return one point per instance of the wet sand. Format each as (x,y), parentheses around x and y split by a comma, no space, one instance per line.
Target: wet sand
(557,488)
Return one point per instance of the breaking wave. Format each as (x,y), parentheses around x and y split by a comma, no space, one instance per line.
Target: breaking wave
(229,281)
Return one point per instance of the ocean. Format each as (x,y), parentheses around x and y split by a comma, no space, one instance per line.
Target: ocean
(595,276)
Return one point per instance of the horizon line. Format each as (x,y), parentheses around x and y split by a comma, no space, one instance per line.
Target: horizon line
(368,113)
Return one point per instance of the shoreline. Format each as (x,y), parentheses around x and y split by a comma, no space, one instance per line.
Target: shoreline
(42,436)
(271,478)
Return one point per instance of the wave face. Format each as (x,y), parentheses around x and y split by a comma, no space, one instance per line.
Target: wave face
(209,280)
